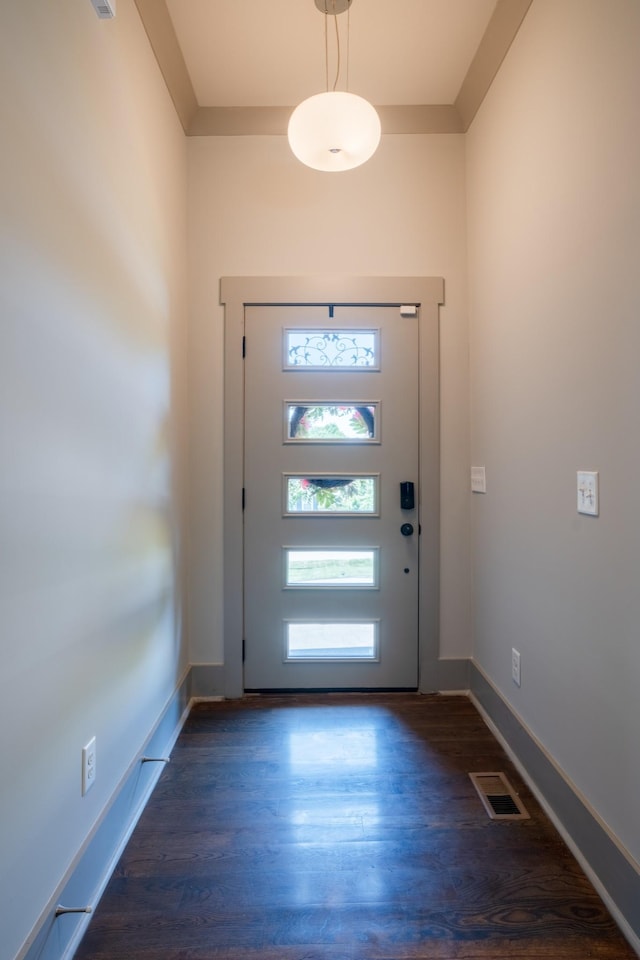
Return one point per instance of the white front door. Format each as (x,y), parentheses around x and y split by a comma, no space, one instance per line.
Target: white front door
(331,521)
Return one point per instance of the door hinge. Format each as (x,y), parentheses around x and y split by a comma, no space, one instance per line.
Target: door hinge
(243,498)
(244,347)
(243,649)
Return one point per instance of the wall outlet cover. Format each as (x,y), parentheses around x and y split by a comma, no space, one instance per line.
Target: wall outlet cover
(515,666)
(88,766)
(588,498)
(478,480)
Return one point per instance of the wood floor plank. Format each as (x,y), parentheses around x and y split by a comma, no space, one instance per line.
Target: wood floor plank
(343,827)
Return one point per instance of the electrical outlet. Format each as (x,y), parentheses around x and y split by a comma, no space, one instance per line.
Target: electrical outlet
(88,766)
(588,492)
(478,480)
(515,666)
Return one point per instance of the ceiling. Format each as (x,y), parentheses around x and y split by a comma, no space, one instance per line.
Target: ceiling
(240,66)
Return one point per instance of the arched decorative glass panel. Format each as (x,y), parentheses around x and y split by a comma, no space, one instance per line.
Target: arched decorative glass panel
(332,350)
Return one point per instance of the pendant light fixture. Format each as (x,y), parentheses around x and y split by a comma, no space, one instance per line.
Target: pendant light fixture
(335,130)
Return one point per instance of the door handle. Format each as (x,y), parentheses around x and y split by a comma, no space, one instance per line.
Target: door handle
(407,496)
(406,529)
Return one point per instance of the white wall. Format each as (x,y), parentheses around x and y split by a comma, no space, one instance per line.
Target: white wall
(255,210)
(554,254)
(92,361)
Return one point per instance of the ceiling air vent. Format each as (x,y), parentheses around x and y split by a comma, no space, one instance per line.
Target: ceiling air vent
(106,9)
(498,796)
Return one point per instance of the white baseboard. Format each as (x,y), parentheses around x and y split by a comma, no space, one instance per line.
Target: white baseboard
(207,681)
(452,674)
(610,867)
(57,938)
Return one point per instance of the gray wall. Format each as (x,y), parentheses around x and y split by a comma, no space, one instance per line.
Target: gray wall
(92,384)
(554,254)
(93,292)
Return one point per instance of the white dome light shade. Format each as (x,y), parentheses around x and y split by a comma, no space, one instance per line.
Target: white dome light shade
(334,131)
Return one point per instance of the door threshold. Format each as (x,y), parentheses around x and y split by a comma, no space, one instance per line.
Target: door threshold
(298,691)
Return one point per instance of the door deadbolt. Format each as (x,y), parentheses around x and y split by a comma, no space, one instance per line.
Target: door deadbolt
(406,529)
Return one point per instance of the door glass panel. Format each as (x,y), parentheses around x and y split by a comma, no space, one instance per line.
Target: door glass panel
(342,568)
(332,349)
(327,494)
(321,640)
(332,422)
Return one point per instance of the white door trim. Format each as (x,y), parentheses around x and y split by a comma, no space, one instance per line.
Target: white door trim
(428,294)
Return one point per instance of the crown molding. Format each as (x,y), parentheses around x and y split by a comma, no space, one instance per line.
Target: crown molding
(498,37)
(273,121)
(207,121)
(164,43)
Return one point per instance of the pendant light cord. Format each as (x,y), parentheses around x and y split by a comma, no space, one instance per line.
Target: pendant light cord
(335,21)
(326,48)
(326,44)
(348,43)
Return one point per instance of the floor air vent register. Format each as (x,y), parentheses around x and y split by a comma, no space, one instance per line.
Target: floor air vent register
(498,796)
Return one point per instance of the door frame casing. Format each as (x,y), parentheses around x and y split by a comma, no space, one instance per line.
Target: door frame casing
(236,293)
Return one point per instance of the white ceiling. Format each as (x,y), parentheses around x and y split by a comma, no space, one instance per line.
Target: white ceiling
(267,53)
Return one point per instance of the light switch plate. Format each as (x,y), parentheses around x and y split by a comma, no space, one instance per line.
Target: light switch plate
(478,480)
(588,499)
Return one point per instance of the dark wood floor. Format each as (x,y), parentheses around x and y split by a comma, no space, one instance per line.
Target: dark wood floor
(342,827)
